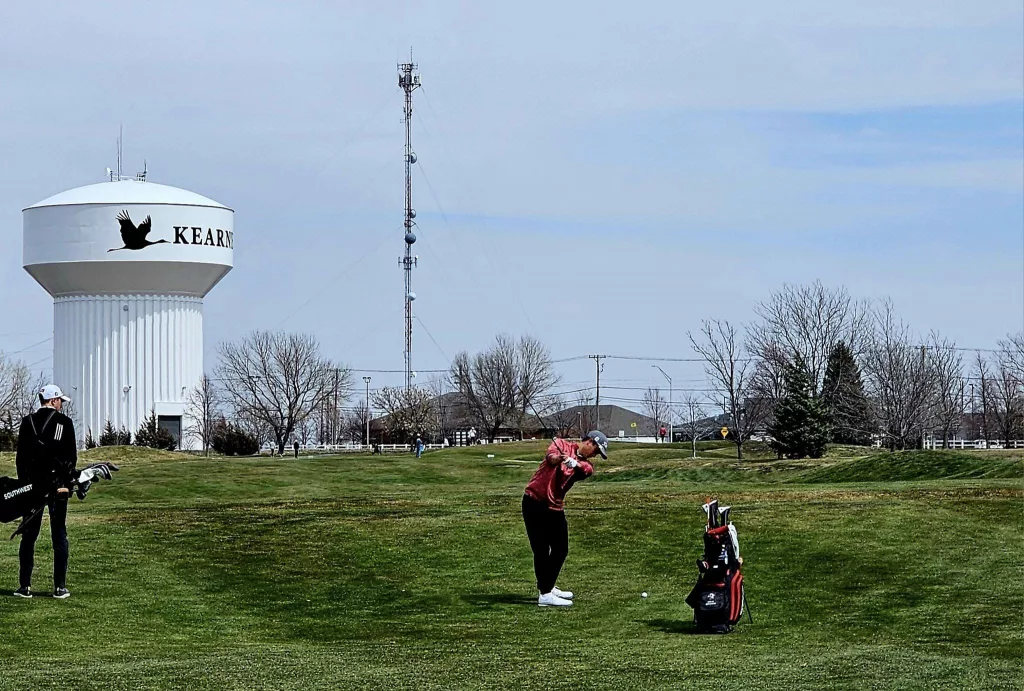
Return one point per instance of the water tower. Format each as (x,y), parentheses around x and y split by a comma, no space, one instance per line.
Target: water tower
(128,264)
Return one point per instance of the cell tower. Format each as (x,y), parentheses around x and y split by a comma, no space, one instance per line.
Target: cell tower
(409,81)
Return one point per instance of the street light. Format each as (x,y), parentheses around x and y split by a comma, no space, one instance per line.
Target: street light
(367,380)
(670,437)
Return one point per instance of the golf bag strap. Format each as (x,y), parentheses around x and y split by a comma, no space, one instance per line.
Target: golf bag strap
(39,432)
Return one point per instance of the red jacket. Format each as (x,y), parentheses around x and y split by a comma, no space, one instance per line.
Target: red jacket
(554,478)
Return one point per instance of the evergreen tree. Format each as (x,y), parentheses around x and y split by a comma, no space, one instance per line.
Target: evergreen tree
(231,440)
(801,427)
(108,437)
(154,436)
(842,392)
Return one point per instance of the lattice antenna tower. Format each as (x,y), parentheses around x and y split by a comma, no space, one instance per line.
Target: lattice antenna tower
(409,81)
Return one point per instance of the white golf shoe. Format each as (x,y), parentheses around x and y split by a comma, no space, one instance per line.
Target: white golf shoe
(552,600)
(564,594)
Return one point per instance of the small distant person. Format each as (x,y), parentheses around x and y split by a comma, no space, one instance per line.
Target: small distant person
(445,444)
(295,446)
(47,456)
(544,511)
(471,436)
(419,447)
(662,432)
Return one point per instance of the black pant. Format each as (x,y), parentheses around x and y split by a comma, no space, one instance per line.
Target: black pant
(549,540)
(59,535)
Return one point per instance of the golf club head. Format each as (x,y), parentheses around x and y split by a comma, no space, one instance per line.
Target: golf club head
(724,515)
(713,513)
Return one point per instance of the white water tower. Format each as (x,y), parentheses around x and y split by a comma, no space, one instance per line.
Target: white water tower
(128,264)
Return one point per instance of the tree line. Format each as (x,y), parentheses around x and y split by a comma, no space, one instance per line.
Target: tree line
(819,367)
(815,367)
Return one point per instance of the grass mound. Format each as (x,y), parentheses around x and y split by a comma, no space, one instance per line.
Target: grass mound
(918,465)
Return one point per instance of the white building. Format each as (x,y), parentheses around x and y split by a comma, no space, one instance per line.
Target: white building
(128,264)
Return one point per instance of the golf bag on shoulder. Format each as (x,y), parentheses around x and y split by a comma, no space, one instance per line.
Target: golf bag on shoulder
(718,598)
(21,499)
(18,498)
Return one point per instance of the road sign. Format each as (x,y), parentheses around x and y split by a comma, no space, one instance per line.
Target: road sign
(725,432)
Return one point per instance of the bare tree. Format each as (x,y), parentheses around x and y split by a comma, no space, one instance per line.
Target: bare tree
(729,372)
(16,394)
(584,412)
(279,379)
(355,422)
(202,412)
(256,427)
(947,372)
(1012,351)
(1007,395)
(440,388)
(656,408)
(809,320)
(768,380)
(502,383)
(405,412)
(695,422)
(984,376)
(562,418)
(899,378)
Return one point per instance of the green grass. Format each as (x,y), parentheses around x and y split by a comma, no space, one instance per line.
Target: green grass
(864,571)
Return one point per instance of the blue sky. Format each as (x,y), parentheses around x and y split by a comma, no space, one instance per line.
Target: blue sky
(638,167)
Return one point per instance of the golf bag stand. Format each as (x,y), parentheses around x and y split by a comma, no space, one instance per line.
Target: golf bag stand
(718,598)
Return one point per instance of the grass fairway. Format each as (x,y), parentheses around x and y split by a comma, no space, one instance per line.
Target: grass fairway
(370,572)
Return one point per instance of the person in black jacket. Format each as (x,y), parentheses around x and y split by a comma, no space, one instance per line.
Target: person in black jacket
(47,457)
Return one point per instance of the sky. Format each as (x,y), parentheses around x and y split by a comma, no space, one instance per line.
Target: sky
(600,175)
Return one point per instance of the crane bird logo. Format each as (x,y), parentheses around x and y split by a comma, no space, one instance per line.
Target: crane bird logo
(134,237)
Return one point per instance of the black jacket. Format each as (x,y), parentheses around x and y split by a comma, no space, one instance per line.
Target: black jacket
(47,449)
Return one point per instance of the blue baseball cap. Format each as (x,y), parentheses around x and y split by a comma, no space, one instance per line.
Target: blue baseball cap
(599,438)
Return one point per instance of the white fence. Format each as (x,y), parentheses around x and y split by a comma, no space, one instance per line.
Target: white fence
(933,443)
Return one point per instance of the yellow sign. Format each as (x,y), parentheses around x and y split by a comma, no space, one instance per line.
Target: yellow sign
(632,424)
(725,432)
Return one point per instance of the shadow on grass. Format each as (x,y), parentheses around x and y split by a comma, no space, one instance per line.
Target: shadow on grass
(675,626)
(495,599)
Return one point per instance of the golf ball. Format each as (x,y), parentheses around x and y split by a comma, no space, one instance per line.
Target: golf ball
(643,594)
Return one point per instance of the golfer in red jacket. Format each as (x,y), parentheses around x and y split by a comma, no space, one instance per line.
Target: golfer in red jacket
(544,514)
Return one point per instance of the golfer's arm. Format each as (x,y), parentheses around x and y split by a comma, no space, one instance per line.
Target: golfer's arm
(69,456)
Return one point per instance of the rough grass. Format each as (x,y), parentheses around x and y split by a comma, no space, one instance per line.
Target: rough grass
(370,572)
(920,465)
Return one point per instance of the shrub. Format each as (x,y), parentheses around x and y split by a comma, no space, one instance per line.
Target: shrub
(154,436)
(231,440)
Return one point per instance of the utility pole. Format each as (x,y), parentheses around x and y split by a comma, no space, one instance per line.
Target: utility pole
(409,81)
(334,411)
(670,437)
(974,421)
(367,381)
(597,405)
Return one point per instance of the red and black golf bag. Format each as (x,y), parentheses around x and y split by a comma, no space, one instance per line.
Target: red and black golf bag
(718,599)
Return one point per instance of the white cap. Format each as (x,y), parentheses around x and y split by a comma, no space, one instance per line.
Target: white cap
(50,392)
